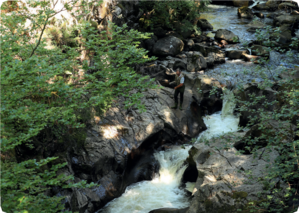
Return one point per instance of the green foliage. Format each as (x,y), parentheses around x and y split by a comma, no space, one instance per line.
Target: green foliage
(44,100)
(62,35)
(174,15)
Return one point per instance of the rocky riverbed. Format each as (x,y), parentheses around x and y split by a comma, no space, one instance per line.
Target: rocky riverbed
(119,147)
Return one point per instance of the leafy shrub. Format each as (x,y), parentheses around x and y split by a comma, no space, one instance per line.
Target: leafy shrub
(173,15)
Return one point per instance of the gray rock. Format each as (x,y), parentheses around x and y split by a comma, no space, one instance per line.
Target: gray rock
(261,6)
(259,50)
(195,61)
(216,58)
(222,184)
(236,54)
(286,19)
(284,36)
(255,25)
(205,50)
(245,12)
(168,46)
(204,24)
(189,44)
(223,34)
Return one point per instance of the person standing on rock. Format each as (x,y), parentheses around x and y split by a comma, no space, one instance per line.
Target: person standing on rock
(179,89)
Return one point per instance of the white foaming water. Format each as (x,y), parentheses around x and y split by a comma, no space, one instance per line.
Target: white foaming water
(162,192)
(218,126)
(221,122)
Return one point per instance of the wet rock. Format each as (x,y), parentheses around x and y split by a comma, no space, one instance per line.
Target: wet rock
(272,5)
(261,6)
(245,12)
(188,44)
(222,184)
(168,46)
(286,19)
(259,14)
(288,5)
(215,58)
(204,24)
(236,54)
(260,50)
(223,34)
(284,36)
(195,61)
(251,58)
(255,25)
(204,49)
(208,103)
(169,210)
(179,64)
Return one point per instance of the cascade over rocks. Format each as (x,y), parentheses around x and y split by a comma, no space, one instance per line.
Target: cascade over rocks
(222,184)
(119,146)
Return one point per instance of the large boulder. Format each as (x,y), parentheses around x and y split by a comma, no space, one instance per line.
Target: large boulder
(195,61)
(223,184)
(229,36)
(272,4)
(201,87)
(236,54)
(260,50)
(286,19)
(204,24)
(245,12)
(284,36)
(261,6)
(255,25)
(205,49)
(288,5)
(215,58)
(168,46)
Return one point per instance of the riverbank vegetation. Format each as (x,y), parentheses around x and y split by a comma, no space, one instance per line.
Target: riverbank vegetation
(48,95)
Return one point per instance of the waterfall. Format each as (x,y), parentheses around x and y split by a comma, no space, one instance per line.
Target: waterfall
(162,192)
(221,122)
